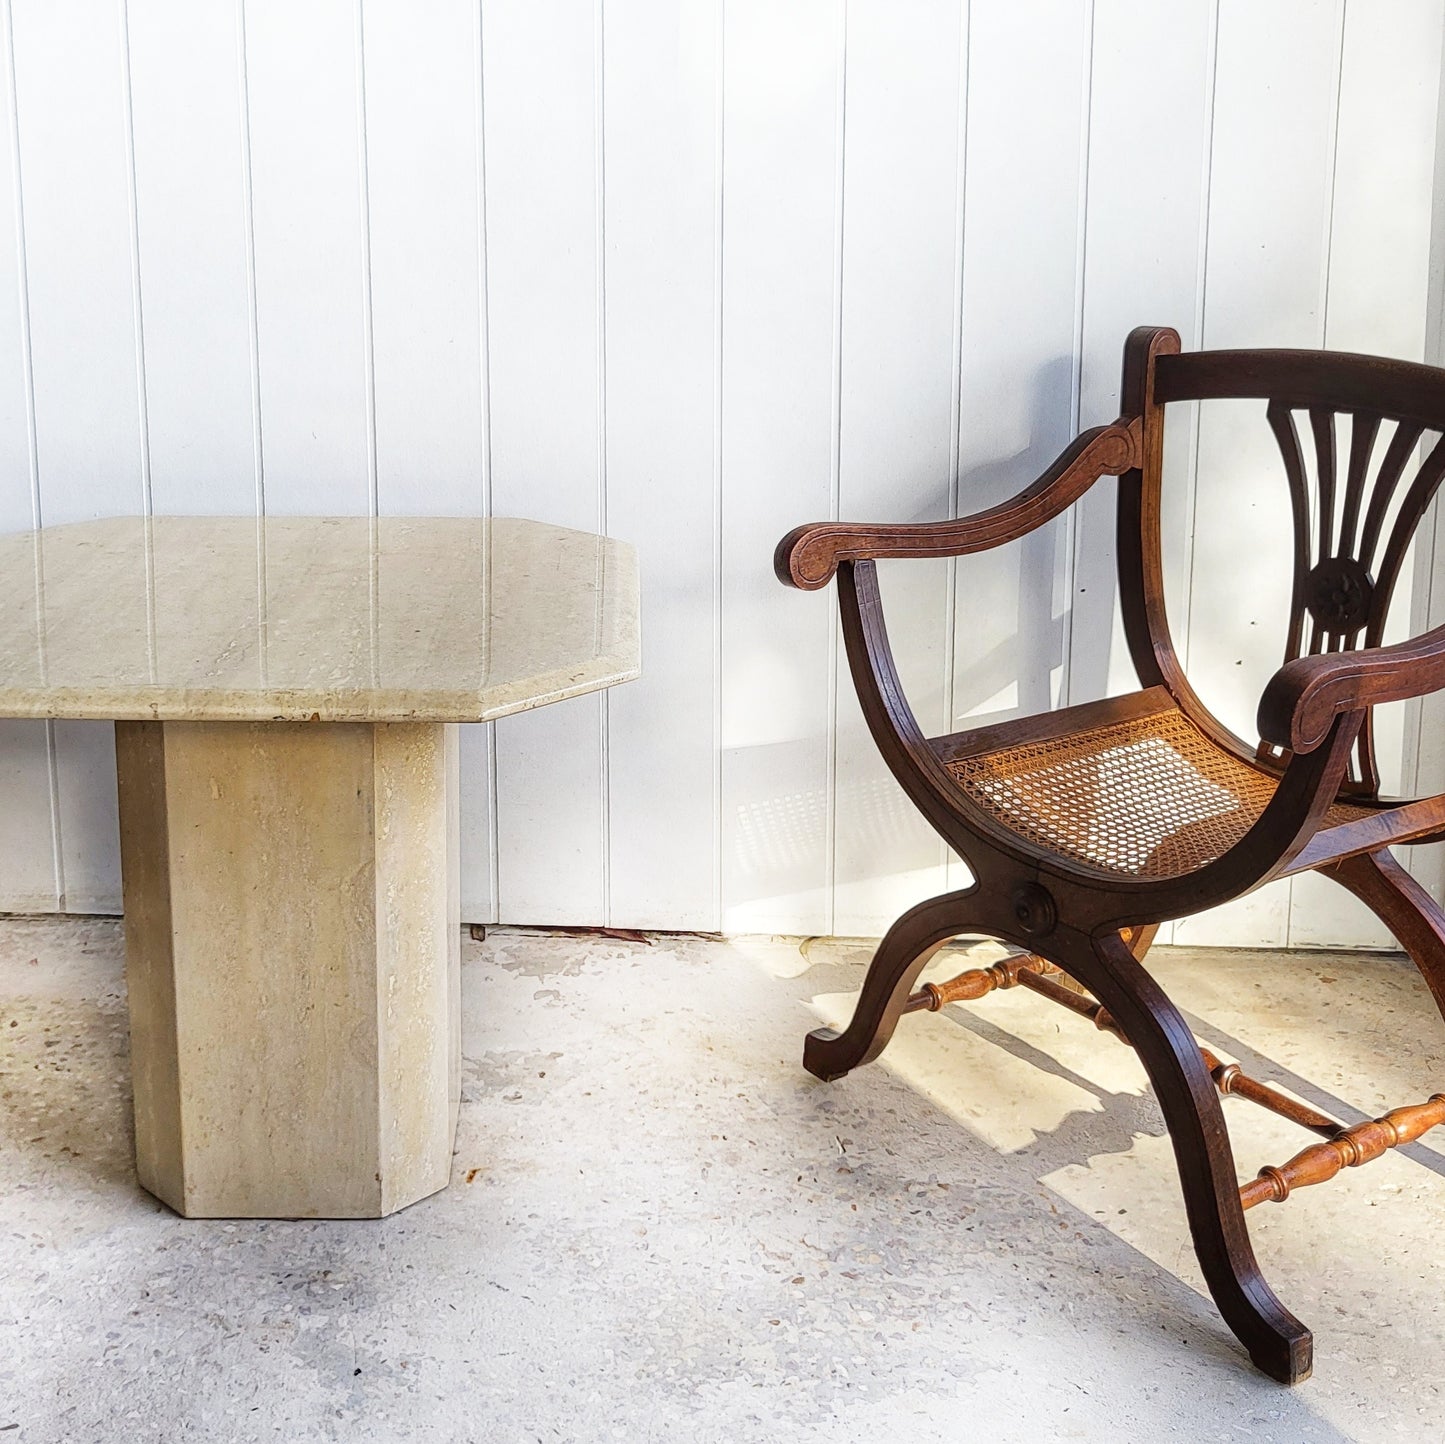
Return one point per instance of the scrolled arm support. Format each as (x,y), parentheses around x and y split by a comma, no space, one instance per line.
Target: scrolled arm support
(809,555)
(1306,695)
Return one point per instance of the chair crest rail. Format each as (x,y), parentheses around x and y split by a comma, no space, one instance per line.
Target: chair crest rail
(1341,380)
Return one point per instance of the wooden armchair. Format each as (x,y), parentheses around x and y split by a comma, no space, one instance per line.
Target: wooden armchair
(1087,827)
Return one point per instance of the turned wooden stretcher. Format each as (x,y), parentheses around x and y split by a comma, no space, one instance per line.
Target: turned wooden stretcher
(1087,827)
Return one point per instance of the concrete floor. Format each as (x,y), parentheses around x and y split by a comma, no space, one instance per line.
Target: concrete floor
(661,1228)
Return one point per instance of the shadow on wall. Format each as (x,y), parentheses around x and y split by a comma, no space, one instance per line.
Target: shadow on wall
(1007,636)
(1019,626)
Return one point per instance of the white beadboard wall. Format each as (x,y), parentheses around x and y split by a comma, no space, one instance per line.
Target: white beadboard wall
(693,273)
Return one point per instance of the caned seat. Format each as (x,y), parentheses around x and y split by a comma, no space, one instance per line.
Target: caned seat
(1148,794)
(1087,828)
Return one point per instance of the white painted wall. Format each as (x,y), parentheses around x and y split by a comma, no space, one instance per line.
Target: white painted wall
(693,273)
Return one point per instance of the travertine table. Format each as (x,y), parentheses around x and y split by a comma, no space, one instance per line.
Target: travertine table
(285,696)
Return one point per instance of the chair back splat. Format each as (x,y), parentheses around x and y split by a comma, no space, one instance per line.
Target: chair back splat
(1362,442)
(1087,827)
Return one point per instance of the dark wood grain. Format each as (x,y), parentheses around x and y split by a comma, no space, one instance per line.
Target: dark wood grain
(901,956)
(1302,699)
(1421,493)
(809,555)
(1403,906)
(1282,423)
(1362,445)
(1276,1341)
(1322,424)
(1392,468)
(1350,1148)
(1338,380)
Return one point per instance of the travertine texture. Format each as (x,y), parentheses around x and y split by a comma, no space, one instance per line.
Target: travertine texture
(291,900)
(437,619)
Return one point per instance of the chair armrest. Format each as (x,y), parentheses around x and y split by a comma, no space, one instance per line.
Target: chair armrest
(809,555)
(1306,695)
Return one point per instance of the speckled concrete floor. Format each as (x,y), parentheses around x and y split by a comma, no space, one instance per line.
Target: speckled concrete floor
(660,1228)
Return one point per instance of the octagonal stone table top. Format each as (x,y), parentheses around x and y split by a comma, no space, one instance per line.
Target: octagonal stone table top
(330,619)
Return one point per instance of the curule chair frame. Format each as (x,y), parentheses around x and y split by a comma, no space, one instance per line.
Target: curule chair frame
(1316,752)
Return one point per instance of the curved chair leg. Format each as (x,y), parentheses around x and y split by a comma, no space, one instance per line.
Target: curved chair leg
(1277,1342)
(901,956)
(1403,906)
(1140,939)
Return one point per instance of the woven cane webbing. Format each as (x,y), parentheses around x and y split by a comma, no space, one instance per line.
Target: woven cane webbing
(1147,797)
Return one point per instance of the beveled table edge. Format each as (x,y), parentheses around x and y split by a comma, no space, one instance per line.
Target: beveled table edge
(102,702)
(381,704)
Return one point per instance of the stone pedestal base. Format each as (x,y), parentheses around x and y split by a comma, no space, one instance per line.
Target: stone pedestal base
(292,920)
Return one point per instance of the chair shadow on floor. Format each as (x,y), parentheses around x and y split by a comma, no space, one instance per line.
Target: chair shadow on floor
(1125,1114)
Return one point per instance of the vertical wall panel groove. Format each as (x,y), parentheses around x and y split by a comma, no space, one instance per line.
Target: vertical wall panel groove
(1072,531)
(138,304)
(540,77)
(29,785)
(1022,192)
(1427,756)
(1191,487)
(70,105)
(1143,202)
(835,458)
(779,181)
(368,335)
(719,159)
(302,69)
(247,203)
(895,426)
(479,744)
(955,871)
(420,85)
(660,85)
(604,709)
